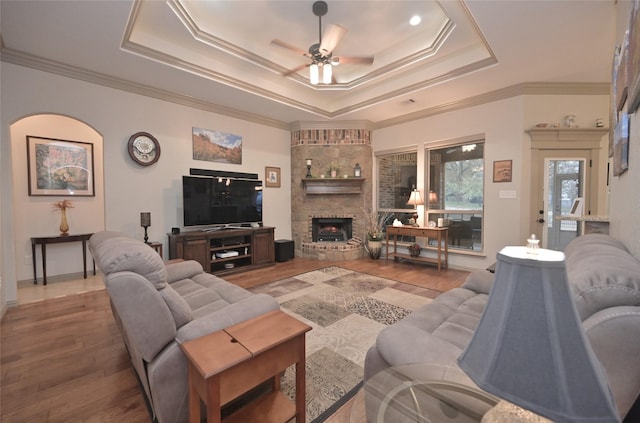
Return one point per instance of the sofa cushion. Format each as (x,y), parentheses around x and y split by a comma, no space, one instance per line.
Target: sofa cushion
(442,328)
(115,252)
(183,270)
(205,293)
(589,261)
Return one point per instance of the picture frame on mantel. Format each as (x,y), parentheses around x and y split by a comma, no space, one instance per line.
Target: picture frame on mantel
(502,170)
(272,176)
(60,167)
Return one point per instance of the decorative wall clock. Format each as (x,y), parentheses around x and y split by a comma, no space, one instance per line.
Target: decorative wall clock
(144,148)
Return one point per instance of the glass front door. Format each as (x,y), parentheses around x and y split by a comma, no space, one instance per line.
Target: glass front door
(564,181)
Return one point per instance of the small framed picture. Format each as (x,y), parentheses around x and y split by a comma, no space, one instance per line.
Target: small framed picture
(577,207)
(502,171)
(59,167)
(272,176)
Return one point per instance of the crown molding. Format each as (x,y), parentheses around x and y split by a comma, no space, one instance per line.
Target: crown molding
(22,59)
(529,88)
(526,88)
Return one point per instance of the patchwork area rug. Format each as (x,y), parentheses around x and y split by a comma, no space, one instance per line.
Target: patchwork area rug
(346,310)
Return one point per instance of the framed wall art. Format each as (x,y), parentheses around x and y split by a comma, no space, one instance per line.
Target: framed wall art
(216,146)
(633,58)
(272,176)
(60,167)
(621,145)
(502,170)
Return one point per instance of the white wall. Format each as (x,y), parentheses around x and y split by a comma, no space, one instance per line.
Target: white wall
(503,124)
(34,216)
(128,188)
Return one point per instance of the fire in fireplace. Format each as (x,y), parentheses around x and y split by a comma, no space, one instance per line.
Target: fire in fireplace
(334,229)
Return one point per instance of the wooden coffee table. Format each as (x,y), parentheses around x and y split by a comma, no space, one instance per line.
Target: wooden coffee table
(228,363)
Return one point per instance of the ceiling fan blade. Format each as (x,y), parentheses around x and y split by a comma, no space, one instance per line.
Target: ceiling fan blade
(345,60)
(331,38)
(288,46)
(296,69)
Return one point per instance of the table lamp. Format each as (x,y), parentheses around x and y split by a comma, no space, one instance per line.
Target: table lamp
(529,347)
(145,222)
(415,200)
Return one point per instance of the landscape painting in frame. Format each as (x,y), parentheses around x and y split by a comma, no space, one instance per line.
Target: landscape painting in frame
(59,167)
(216,146)
(621,146)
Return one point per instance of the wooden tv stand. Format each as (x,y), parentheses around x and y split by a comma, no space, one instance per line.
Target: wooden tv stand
(225,251)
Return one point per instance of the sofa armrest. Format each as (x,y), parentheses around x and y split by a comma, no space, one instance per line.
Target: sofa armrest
(246,309)
(186,269)
(479,281)
(142,312)
(614,335)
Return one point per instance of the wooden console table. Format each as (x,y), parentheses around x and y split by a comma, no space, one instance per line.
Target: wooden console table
(44,240)
(440,234)
(226,364)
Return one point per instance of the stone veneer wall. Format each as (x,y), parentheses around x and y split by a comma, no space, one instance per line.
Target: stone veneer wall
(324,147)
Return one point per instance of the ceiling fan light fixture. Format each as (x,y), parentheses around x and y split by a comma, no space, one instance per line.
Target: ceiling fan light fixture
(314,74)
(327,73)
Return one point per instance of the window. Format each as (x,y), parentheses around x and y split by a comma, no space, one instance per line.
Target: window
(397,175)
(456,192)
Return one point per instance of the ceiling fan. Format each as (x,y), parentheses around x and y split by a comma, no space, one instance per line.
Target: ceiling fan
(321,54)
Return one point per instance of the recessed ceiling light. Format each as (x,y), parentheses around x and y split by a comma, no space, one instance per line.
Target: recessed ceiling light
(415,20)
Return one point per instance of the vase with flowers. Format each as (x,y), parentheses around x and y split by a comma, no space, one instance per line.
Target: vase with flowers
(63,205)
(374,225)
(333,170)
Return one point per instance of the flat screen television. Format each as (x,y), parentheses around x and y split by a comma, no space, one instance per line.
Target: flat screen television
(221,201)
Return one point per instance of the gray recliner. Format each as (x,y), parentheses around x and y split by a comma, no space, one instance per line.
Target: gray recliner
(420,352)
(158,306)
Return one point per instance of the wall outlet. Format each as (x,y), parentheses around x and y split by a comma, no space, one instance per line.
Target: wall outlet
(28,260)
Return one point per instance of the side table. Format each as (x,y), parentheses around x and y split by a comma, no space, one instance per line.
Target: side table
(157,246)
(225,364)
(441,235)
(44,240)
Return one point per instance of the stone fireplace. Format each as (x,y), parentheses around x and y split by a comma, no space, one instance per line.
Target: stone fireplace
(327,213)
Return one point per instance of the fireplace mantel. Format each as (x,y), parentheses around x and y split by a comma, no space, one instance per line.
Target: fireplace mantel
(332,185)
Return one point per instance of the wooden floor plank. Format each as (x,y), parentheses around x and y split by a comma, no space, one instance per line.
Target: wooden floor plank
(63,359)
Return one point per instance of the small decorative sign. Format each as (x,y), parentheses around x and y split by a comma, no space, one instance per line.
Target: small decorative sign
(502,171)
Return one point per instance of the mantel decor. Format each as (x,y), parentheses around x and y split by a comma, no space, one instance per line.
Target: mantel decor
(59,167)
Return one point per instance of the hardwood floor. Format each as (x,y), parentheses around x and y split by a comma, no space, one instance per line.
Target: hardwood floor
(63,359)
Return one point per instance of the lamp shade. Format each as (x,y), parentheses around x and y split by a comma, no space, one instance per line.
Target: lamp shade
(415,199)
(327,73)
(529,347)
(314,74)
(145,219)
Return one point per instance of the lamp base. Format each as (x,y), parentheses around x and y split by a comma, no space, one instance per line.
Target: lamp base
(505,411)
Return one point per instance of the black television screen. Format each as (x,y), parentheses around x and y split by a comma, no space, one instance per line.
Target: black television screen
(221,201)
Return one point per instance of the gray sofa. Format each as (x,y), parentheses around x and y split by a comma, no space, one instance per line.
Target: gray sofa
(159,306)
(420,352)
